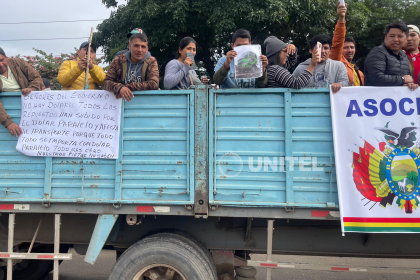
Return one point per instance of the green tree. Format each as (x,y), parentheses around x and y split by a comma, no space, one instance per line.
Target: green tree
(212,24)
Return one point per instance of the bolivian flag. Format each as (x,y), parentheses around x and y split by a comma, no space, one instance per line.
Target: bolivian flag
(381,224)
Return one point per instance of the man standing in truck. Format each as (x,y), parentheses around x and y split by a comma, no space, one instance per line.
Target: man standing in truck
(344,48)
(72,73)
(412,50)
(16,75)
(225,68)
(135,70)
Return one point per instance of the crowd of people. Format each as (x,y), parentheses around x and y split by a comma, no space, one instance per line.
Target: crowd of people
(394,63)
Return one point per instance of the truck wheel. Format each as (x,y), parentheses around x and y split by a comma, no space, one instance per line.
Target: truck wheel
(197,245)
(162,256)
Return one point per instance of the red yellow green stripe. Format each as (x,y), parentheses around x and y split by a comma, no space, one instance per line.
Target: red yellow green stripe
(381,224)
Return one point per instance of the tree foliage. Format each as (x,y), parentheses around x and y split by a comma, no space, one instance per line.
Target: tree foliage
(212,24)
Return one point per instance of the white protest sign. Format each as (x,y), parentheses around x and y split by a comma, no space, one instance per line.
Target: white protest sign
(376,146)
(80,124)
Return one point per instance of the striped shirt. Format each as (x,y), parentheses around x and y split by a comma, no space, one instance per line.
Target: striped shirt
(281,77)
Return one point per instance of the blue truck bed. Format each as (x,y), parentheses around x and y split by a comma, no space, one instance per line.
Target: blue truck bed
(157,165)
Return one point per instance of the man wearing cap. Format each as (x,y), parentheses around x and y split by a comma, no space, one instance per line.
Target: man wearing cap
(72,73)
(412,50)
(134,31)
(16,75)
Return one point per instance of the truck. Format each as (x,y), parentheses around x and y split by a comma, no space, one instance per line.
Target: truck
(204,178)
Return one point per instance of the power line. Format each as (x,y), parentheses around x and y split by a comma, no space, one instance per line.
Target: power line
(34,22)
(49,39)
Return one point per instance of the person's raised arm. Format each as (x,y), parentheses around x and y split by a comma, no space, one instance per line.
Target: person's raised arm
(339,33)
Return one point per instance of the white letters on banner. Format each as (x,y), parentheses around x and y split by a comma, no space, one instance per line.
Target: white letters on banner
(377,148)
(80,124)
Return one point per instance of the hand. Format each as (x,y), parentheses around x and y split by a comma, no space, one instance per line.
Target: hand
(205,81)
(82,63)
(91,64)
(126,94)
(264,61)
(412,86)
(229,57)
(188,61)
(291,49)
(335,87)
(341,12)
(26,91)
(14,129)
(408,79)
(316,57)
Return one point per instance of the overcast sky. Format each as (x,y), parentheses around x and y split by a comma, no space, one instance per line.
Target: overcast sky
(48,10)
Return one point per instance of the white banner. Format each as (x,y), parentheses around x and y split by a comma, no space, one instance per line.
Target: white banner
(80,124)
(376,144)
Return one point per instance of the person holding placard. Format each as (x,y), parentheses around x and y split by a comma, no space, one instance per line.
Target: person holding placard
(178,72)
(344,48)
(135,70)
(281,57)
(16,75)
(327,72)
(225,68)
(387,65)
(72,73)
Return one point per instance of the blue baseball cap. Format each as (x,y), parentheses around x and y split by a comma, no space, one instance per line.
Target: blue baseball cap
(85,44)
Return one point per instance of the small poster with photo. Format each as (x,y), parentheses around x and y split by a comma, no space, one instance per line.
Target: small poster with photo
(248,64)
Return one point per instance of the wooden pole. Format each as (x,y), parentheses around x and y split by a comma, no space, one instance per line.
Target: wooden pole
(88,61)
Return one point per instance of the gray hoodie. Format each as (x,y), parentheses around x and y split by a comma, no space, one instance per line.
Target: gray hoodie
(134,70)
(325,73)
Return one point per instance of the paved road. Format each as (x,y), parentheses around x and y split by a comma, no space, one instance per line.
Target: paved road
(79,270)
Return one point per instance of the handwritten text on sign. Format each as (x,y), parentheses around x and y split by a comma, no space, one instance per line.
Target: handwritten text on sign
(70,124)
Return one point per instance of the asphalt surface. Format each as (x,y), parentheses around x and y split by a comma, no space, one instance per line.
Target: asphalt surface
(77,269)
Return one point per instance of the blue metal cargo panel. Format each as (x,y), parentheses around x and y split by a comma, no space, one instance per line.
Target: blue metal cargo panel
(252,131)
(155,163)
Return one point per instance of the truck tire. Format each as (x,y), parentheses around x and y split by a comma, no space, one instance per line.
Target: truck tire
(197,245)
(246,271)
(162,253)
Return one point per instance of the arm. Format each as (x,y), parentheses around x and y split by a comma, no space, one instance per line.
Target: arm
(174,75)
(5,119)
(262,81)
(221,73)
(291,60)
(152,82)
(97,74)
(283,78)
(111,77)
(339,33)
(338,41)
(67,74)
(375,66)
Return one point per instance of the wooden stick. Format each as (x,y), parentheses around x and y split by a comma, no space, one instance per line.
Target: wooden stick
(88,61)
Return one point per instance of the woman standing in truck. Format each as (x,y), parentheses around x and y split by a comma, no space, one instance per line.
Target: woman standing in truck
(281,57)
(178,72)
